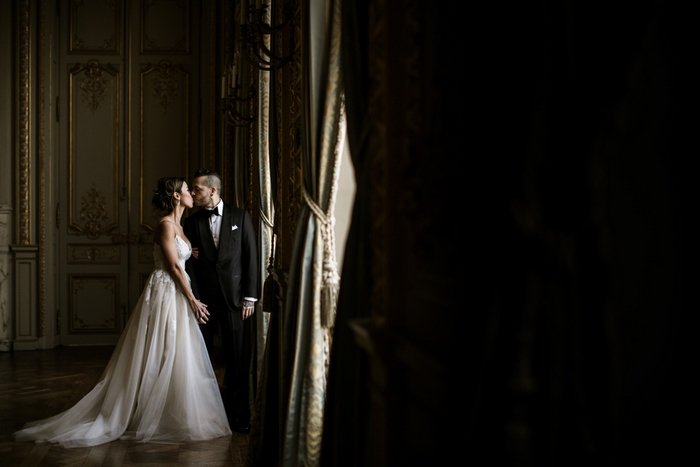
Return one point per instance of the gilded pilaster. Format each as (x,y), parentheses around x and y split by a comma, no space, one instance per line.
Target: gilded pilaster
(26,255)
(23,147)
(41,172)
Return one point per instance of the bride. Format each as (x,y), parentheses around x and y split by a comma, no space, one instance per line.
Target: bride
(159,384)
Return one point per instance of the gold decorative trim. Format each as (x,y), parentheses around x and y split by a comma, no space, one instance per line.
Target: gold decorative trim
(93,87)
(41,150)
(110,45)
(76,324)
(164,91)
(90,253)
(23,118)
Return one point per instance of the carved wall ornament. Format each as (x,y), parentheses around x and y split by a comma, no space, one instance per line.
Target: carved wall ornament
(164,86)
(93,254)
(93,85)
(93,212)
(107,45)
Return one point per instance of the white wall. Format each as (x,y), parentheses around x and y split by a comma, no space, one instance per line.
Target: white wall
(345,199)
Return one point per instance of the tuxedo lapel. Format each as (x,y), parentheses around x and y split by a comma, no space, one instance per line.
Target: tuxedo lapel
(225,234)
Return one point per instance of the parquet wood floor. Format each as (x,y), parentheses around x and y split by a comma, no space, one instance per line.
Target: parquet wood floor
(39,383)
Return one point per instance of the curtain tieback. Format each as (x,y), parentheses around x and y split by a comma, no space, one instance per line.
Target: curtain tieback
(330,283)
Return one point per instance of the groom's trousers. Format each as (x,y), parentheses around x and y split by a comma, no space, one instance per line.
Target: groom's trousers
(236,391)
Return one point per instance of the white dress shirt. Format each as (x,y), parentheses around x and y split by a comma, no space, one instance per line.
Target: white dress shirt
(215,222)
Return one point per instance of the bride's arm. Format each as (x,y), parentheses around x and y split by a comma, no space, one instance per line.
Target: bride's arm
(164,236)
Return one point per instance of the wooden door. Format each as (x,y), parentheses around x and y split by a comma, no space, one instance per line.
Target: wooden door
(129,78)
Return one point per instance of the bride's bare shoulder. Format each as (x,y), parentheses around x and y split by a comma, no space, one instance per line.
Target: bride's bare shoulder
(165,231)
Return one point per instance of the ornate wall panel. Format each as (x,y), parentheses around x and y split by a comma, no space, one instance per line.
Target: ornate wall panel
(5,279)
(129,79)
(26,293)
(90,253)
(164,129)
(165,26)
(95,26)
(94,304)
(93,149)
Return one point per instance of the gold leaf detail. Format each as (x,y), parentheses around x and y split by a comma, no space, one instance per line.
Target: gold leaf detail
(93,85)
(164,86)
(93,212)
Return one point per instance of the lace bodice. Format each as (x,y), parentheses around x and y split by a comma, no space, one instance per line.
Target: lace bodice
(183,253)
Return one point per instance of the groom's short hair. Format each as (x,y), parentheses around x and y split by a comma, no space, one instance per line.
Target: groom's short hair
(213,179)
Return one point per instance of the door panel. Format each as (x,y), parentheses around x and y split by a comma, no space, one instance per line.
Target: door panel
(130,78)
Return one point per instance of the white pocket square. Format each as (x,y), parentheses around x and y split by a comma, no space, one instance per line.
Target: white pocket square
(234,227)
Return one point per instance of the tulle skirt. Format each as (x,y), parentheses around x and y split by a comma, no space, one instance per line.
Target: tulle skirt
(159,384)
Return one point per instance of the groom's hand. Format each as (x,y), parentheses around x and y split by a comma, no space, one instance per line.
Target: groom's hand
(248,309)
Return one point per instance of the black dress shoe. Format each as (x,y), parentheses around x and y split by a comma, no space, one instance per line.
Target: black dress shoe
(240,427)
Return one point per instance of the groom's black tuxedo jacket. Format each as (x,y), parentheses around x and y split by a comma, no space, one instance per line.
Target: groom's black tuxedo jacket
(233,267)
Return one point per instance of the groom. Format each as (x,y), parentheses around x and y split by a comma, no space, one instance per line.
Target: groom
(224,275)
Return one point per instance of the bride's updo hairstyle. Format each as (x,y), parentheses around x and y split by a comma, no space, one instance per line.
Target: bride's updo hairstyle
(163,199)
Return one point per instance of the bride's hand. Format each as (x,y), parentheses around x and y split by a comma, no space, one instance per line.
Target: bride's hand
(195,252)
(200,311)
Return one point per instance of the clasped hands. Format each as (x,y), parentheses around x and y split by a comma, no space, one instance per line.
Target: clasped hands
(200,312)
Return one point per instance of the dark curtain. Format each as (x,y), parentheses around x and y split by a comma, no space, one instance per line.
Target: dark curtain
(577,138)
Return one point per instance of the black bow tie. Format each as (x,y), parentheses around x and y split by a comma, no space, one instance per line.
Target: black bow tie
(214,212)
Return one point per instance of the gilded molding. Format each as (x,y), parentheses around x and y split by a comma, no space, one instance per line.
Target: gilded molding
(41,153)
(109,45)
(164,88)
(77,324)
(23,118)
(89,253)
(91,220)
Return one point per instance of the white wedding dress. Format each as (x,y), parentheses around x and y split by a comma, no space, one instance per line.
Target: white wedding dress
(159,385)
